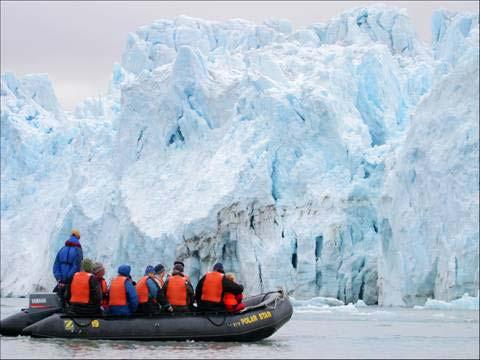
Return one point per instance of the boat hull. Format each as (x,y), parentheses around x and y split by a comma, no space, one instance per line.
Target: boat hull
(255,324)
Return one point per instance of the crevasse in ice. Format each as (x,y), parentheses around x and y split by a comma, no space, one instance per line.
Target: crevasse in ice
(339,160)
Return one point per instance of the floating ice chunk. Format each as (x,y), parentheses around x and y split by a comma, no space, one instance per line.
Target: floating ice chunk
(466,302)
(319,301)
(360,303)
(313,310)
(321,305)
(345,308)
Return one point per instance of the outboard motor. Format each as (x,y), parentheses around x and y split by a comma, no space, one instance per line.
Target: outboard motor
(39,301)
(40,306)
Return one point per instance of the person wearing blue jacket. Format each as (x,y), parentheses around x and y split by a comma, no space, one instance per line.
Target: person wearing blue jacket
(150,294)
(67,263)
(123,298)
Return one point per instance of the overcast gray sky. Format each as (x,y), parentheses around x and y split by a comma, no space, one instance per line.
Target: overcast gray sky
(77,42)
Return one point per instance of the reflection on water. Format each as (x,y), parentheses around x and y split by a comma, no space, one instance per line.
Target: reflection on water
(170,346)
(78,345)
(367,332)
(25,347)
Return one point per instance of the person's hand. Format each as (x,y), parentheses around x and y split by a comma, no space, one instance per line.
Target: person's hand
(170,308)
(61,285)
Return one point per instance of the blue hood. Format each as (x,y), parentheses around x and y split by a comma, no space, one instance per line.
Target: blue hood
(124,270)
(149,269)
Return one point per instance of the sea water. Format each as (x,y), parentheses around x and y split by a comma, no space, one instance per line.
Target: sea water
(313,332)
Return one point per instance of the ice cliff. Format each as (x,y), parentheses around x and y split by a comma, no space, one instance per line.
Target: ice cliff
(339,160)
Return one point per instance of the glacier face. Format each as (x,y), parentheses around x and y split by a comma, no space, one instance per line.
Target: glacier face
(435,175)
(317,160)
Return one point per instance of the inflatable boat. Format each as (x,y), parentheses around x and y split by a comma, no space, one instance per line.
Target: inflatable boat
(264,314)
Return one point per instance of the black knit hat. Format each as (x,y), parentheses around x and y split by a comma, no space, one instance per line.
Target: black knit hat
(218,267)
(178,262)
(159,268)
(178,267)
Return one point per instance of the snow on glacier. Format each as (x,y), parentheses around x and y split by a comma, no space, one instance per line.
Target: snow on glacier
(285,154)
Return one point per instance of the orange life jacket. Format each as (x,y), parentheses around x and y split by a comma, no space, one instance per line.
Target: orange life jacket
(118,292)
(80,288)
(212,288)
(103,283)
(184,275)
(177,290)
(142,290)
(229,300)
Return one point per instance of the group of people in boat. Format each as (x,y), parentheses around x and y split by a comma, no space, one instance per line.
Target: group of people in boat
(82,287)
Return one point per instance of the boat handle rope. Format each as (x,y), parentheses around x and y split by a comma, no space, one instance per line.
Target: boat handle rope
(268,306)
(79,324)
(213,322)
(266,294)
(253,307)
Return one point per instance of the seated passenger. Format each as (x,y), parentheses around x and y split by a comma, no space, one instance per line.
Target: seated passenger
(179,290)
(83,293)
(180,263)
(150,295)
(99,272)
(233,303)
(211,287)
(123,299)
(159,275)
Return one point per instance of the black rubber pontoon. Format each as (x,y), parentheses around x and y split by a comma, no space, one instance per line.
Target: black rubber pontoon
(41,306)
(264,314)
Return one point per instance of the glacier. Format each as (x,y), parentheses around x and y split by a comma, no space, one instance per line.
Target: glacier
(339,160)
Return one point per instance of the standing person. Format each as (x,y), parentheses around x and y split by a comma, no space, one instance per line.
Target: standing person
(123,299)
(212,286)
(99,273)
(150,295)
(84,293)
(233,303)
(179,290)
(67,262)
(159,275)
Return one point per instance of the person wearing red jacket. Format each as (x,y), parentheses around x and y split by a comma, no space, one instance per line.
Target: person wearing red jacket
(233,303)
(211,288)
